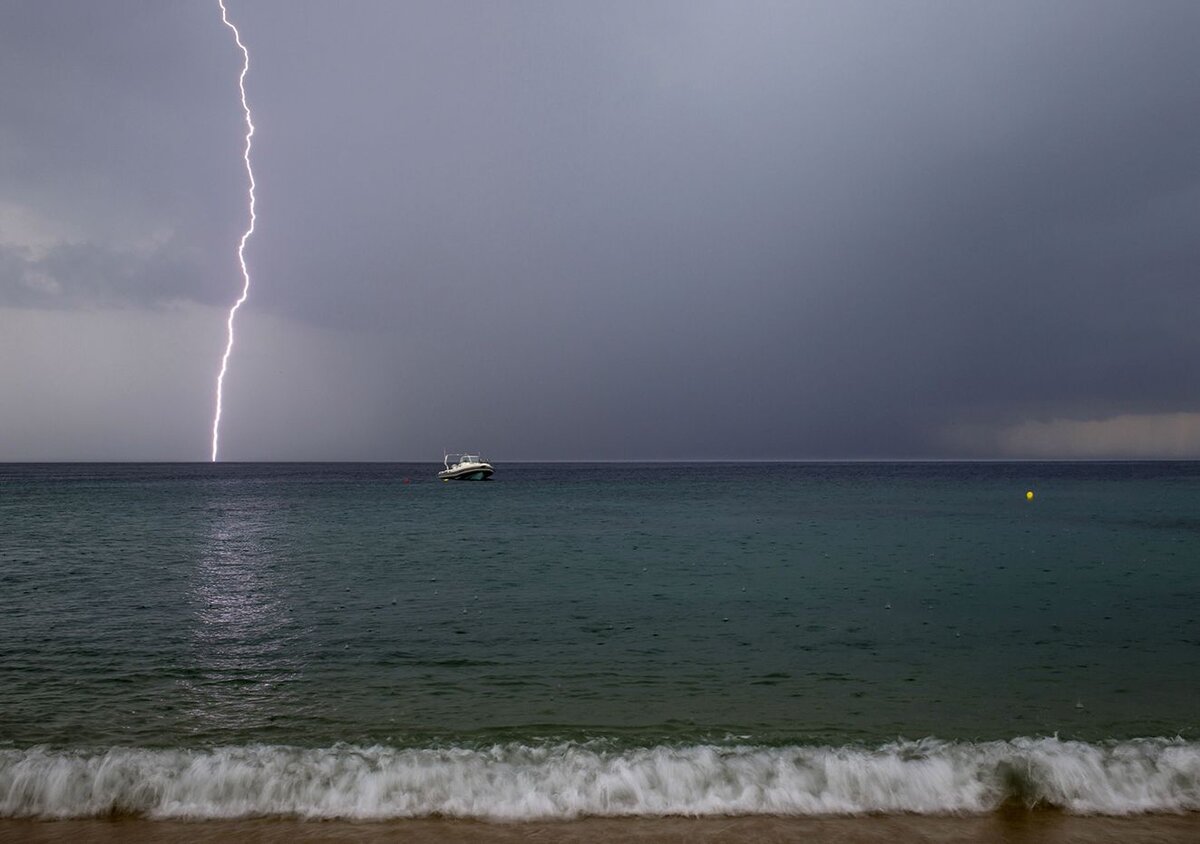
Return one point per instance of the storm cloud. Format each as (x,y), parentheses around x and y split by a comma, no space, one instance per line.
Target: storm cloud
(618,230)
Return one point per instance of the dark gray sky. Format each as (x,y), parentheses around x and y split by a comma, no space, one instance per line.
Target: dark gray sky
(602,230)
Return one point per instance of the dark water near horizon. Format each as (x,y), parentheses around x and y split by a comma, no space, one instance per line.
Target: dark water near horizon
(361,640)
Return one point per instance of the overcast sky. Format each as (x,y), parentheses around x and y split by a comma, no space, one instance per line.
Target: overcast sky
(602,230)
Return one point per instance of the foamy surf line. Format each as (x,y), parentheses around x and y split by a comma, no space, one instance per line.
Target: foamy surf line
(515,782)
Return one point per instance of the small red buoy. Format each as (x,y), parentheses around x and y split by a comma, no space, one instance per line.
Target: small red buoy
(406,480)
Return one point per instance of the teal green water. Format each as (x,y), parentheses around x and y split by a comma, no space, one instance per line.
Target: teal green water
(307,605)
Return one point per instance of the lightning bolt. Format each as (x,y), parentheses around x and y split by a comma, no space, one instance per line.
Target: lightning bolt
(216,429)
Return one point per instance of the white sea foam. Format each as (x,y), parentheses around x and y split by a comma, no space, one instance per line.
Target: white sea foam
(517,782)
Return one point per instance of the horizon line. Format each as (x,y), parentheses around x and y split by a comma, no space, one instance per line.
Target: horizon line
(629,461)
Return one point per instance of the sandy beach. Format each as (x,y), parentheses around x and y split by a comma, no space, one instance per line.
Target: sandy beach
(1014,827)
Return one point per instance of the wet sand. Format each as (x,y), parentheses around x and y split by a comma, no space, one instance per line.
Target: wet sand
(1001,828)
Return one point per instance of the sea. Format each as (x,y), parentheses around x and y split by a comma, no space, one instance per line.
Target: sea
(575,641)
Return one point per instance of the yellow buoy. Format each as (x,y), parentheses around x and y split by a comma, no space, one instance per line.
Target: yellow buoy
(1029,495)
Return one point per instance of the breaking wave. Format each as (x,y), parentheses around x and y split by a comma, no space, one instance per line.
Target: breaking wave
(564,781)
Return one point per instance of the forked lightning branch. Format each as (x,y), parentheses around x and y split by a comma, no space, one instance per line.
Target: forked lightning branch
(216,427)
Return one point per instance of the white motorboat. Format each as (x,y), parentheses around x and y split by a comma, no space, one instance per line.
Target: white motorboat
(466,467)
